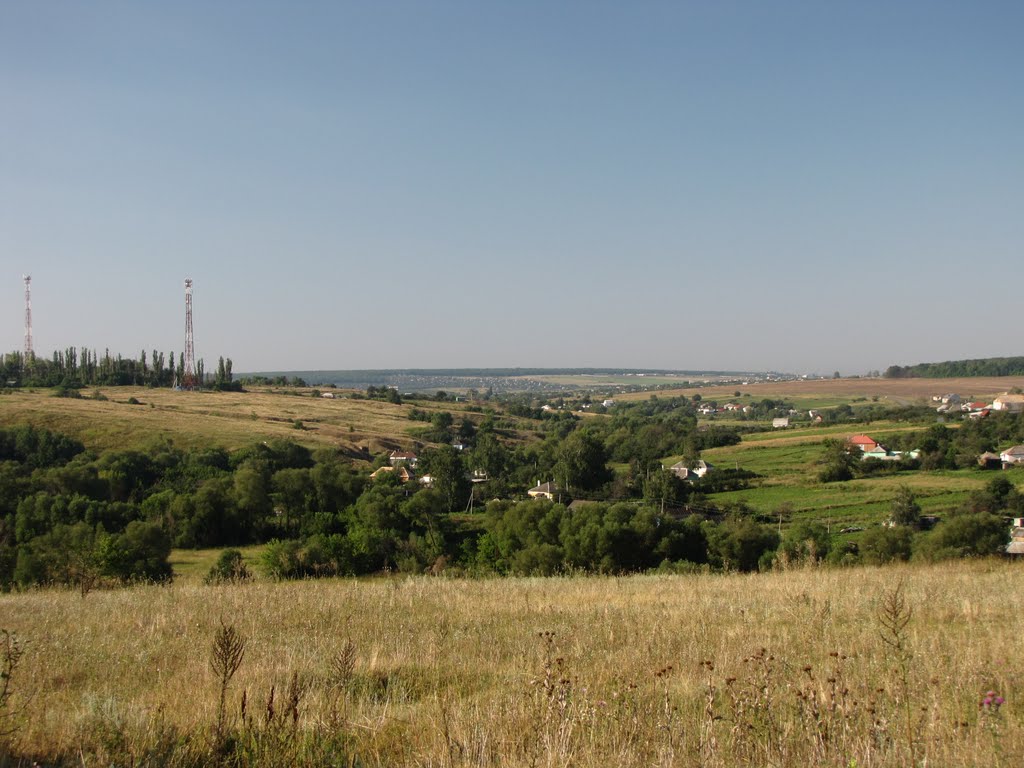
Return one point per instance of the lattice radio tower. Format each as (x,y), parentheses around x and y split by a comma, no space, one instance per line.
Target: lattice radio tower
(188,377)
(29,354)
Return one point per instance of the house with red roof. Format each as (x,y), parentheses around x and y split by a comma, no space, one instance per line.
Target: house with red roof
(863,442)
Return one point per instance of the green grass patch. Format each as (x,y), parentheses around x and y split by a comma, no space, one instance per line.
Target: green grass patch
(192,565)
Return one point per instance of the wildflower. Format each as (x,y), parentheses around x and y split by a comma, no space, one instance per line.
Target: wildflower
(991,702)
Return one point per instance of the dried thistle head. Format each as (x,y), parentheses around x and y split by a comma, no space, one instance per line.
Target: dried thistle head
(893,617)
(296,690)
(343,665)
(227,653)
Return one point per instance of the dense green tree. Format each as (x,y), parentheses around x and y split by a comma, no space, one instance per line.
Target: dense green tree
(970,535)
(663,487)
(335,485)
(806,542)
(884,544)
(211,516)
(128,474)
(445,467)
(489,455)
(739,543)
(839,461)
(581,463)
(140,552)
(905,510)
(252,503)
(37,448)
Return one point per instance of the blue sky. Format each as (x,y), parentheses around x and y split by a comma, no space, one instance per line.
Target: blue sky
(799,186)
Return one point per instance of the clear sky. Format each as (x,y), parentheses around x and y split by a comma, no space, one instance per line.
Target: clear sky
(800,186)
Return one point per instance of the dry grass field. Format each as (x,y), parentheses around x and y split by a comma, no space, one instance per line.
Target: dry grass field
(899,391)
(797,668)
(226,419)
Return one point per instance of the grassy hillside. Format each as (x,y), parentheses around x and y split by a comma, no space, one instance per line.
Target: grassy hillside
(825,393)
(787,460)
(789,464)
(225,419)
(790,669)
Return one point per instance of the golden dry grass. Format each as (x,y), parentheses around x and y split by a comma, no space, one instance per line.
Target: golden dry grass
(897,390)
(457,672)
(226,419)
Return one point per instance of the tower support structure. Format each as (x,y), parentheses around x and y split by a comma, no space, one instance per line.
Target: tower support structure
(29,352)
(188,375)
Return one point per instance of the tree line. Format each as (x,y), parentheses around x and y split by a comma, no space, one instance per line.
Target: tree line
(74,368)
(986,366)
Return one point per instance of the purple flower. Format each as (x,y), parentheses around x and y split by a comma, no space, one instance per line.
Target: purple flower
(991,701)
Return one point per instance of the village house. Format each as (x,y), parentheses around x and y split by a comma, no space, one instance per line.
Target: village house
(881,453)
(780,423)
(403,473)
(1016,545)
(684,471)
(546,490)
(402,457)
(1012,456)
(863,442)
(1011,403)
(973,407)
(989,460)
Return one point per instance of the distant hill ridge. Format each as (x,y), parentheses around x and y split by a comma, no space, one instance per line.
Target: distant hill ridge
(387,375)
(491,379)
(987,366)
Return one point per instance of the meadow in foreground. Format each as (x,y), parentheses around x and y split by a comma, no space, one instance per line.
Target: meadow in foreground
(867,667)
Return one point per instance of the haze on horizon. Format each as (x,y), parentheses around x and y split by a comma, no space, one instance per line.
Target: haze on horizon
(795,186)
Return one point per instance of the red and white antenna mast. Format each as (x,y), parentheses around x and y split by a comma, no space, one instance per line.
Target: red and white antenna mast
(29,352)
(188,378)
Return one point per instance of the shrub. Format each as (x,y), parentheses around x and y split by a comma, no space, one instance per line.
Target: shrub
(883,544)
(806,542)
(964,536)
(230,568)
(140,552)
(63,391)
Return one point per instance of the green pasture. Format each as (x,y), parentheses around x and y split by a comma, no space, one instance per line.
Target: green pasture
(818,432)
(192,565)
(859,502)
(788,463)
(787,456)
